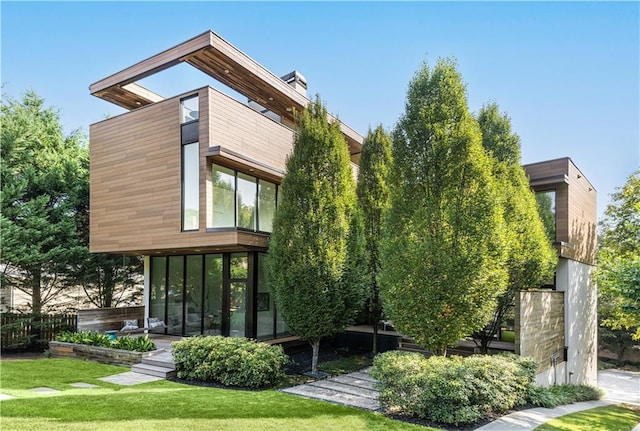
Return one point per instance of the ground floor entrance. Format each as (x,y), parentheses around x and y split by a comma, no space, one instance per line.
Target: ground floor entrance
(214,294)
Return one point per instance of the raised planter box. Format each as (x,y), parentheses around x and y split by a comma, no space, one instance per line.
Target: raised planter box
(104,355)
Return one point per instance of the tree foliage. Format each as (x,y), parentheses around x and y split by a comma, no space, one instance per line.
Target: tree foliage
(44,220)
(618,273)
(42,176)
(443,246)
(316,260)
(373,197)
(530,256)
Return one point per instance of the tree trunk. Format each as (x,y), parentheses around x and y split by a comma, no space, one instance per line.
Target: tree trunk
(315,345)
(109,287)
(374,351)
(36,306)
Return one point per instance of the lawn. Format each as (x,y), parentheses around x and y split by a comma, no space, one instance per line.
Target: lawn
(609,418)
(160,405)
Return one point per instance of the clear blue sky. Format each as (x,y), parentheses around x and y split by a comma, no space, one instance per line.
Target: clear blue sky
(566,73)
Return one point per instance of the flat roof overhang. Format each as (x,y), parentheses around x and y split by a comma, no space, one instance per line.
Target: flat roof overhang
(216,57)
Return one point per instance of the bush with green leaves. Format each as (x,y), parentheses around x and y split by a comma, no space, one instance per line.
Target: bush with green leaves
(452,390)
(91,338)
(562,394)
(229,361)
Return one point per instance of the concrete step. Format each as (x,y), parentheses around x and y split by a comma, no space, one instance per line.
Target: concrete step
(160,360)
(152,370)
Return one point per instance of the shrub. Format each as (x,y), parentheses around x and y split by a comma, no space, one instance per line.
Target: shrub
(562,394)
(229,361)
(452,390)
(90,338)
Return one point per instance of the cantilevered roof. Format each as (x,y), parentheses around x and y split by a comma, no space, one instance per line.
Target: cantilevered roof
(219,59)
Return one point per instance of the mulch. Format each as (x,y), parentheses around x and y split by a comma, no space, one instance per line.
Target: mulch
(21,355)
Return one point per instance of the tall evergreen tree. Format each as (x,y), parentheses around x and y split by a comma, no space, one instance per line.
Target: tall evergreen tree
(373,197)
(530,257)
(316,256)
(443,247)
(42,176)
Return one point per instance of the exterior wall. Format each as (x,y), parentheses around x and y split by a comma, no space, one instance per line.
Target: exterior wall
(581,330)
(576,207)
(136,173)
(540,331)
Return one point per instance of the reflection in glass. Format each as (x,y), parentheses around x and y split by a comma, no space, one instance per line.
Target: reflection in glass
(174,295)
(266,205)
(213,295)
(237,308)
(223,197)
(158,283)
(246,203)
(239,265)
(193,286)
(546,201)
(190,111)
(264,304)
(190,187)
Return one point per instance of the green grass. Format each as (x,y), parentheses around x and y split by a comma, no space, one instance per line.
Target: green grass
(609,418)
(160,405)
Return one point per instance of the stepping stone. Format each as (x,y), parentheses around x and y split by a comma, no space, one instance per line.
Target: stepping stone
(333,396)
(348,379)
(348,389)
(6,397)
(83,385)
(45,390)
(129,378)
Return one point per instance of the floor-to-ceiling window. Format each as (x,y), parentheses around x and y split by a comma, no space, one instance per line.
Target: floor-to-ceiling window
(215,294)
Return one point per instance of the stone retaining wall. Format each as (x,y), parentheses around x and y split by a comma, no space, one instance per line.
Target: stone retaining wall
(104,355)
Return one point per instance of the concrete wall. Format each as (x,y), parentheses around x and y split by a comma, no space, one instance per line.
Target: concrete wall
(581,330)
(540,332)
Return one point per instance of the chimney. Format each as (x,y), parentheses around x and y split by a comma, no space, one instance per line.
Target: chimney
(297,81)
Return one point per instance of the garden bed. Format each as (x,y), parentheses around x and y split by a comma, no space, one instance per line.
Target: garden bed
(104,355)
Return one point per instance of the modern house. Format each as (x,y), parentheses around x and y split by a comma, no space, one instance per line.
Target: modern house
(558,326)
(191,183)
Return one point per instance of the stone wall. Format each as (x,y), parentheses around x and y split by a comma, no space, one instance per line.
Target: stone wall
(103,355)
(539,327)
(108,319)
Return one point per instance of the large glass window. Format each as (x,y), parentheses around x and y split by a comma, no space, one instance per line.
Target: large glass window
(224,187)
(174,295)
(266,205)
(238,294)
(190,187)
(546,201)
(265,307)
(193,291)
(213,294)
(246,202)
(190,110)
(241,200)
(158,284)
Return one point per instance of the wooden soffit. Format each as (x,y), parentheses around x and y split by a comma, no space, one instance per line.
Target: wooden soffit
(216,57)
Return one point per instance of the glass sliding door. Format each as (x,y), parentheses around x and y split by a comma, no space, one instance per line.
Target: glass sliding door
(193,295)
(157,296)
(213,294)
(175,284)
(265,307)
(238,272)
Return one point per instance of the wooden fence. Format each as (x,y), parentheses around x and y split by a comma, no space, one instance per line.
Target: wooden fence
(20,330)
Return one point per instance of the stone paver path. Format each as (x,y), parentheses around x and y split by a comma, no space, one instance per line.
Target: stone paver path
(45,390)
(129,378)
(6,397)
(355,390)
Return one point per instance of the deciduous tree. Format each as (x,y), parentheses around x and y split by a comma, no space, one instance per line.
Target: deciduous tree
(443,249)
(618,273)
(316,259)
(373,197)
(530,256)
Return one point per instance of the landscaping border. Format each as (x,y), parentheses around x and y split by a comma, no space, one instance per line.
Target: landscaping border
(104,355)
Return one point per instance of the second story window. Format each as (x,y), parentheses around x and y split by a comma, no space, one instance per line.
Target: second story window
(241,200)
(546,201)
(189,110)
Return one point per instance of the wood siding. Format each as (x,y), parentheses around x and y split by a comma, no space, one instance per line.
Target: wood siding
(136,202)
(576,207)
(539,326)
